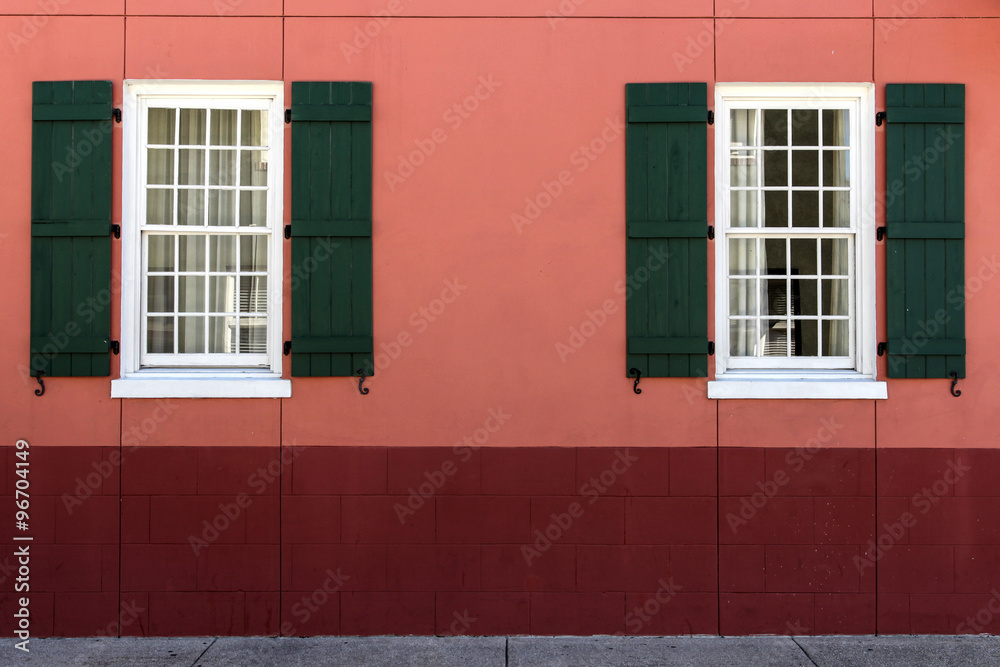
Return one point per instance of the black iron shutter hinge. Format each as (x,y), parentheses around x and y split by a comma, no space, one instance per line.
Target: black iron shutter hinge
(711,117)
(288,116)
(880,118)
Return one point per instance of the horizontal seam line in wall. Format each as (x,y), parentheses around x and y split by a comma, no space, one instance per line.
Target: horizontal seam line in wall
(532,17)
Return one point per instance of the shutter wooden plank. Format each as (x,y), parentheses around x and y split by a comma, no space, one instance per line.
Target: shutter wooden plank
(637,146)
(925,161)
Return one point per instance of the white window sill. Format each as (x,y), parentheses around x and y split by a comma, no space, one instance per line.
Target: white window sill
(830,388)
(201,385)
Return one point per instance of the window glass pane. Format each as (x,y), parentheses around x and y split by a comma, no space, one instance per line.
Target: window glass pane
(804,338)
(193,125)
(253,168)
(805,208)
(191,166)
(837,209)
(160,166)
(161,126)
(835,169)
(254,129)
(160,252)
(836,127)
(191,335)
(836,299)
(222,335)
(742,256)
(777,297)
(222,252)
(253,294)
(774,251)
(775,337)
(805,168)
(160,335)
(191,297)
(835,257)
(223,127)
(743,297)
(776,168)
(160,294)
(222,294)
(836,342)
(159,207)
(222,168)
(191,252)
(776,208)
(804,256)
(191,207)
(253,208)
(253,335)
(253,253)
(805,127)
(743,127)
(222,207)
(743,338)
(743,171)
(775,127)
(804,297)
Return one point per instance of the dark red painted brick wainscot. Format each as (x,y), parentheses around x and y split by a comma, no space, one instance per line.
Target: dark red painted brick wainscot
(373,540)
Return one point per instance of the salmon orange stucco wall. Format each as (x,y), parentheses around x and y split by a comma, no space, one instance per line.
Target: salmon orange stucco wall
(516,103)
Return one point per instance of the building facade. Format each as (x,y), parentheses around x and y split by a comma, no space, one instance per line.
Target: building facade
(438,317)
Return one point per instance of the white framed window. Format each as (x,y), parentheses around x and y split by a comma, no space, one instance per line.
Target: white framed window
(795,248)
(201,241)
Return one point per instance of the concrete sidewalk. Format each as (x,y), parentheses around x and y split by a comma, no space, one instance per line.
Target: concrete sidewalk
(510,651)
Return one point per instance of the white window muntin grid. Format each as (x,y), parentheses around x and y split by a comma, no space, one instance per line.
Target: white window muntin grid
(796,99)
(203,360)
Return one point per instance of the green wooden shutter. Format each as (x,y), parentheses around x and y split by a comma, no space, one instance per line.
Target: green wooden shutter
(667,220)
(925,224)
(331,229)
(71,228)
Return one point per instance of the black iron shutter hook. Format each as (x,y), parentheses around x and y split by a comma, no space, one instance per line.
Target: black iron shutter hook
(637,374)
